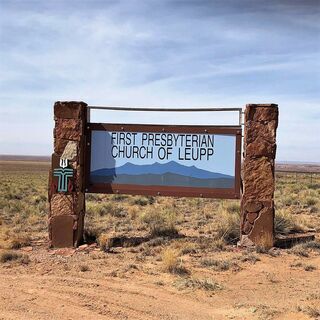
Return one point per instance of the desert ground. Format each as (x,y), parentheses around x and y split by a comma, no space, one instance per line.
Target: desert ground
(155,258)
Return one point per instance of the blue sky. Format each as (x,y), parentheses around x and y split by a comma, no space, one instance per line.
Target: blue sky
(159,53)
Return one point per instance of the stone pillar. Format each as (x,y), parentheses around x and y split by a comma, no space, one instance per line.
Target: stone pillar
(66,178)
(257,204)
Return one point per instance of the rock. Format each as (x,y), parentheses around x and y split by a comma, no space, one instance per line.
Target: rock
(70,129)
(27,249)
(262,112)
(61,231)
(247,227)
(83,247)
(252,216)
(59,146)
(258,179)
(70,151)
(252,206)
(261,132)
(260,148)
(69,109)
(245,242)
(262,233)
(66,252)
(61,204)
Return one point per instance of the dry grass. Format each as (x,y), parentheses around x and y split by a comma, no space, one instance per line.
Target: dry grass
(219,265)
(84,268)
(228,227)
(160,221)
(286,222)
(196,283)
(172,262)
(304,249)
(10,256)
(178,226)
(312,311)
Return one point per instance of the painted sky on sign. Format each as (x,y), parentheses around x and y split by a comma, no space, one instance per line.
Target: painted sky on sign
(223,160)
(159,53)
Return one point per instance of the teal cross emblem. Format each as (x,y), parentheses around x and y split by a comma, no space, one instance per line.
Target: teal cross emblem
(63,175)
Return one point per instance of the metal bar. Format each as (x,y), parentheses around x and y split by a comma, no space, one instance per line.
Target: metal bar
(165,128)
(88,115)
(164,109)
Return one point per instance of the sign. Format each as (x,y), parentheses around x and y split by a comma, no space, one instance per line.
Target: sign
(164,160)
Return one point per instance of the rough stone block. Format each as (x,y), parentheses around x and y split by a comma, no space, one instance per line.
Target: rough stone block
(61,231)
(261,132)
(251,205)
(262,233)
(70,129)
(252,216)
(260,148)
(247,227)
(69,109)
(262,112)
(61,204)
(259,179)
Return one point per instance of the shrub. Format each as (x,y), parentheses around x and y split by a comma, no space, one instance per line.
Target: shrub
(286,223)
(310,201)
(228,226)
(104,242)
(18,241)
(143,201)
(8,256)
(313,245)
(312,311)
(299,250)
(218,265)
(103,209)
(160,221)
(194,283)
(249,257)
(84,268)
(172,263)
(310,267)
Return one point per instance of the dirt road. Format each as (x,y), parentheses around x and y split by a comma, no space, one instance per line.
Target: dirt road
(97,286)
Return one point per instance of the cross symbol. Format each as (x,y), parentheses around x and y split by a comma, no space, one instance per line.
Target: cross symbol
(63,174)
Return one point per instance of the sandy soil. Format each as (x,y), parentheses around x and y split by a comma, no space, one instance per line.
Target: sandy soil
(131,283)
(115,286)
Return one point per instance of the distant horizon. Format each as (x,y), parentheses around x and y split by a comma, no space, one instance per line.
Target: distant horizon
(49,157)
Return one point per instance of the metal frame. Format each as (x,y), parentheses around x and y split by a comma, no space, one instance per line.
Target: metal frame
(144,109)
(231,193)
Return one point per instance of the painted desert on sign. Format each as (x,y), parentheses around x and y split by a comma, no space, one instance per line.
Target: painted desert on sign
(155,257)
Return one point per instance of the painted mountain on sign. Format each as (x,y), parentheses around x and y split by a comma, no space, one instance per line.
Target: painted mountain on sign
(166,174)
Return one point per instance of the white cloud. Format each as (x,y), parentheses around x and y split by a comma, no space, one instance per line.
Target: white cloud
(157,54)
